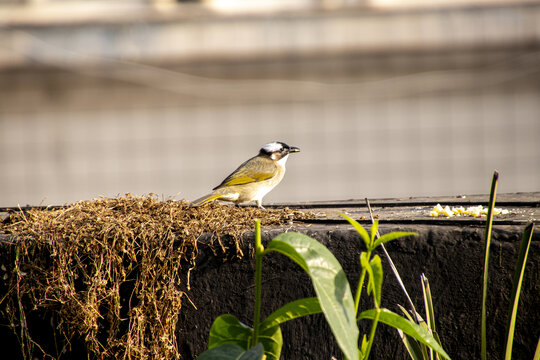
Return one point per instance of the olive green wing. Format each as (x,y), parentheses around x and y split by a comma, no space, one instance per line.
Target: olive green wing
(254,170)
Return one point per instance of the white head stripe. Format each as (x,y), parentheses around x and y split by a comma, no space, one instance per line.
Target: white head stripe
(273,147)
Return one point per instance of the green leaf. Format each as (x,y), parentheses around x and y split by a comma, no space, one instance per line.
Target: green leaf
(361,231)
(373,232)
(411,329)
(330,283)
(272,341)
(406,313)
(428,302)
(374,270)
(233,352)
(487,242)
(411,344)
(364,261)
(364,347)
(224,352)
(255,353)
(413,348)
(537,352)
(392,236)
(430,312)
(227,329)
(526,239)
(293,310)
(377,273)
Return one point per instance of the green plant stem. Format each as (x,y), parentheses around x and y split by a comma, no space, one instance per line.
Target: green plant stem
(487,236)
(259,249)
(372,333)
(360,286)
(359,292)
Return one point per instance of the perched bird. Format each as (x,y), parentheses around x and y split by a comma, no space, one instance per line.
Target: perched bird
(254,178)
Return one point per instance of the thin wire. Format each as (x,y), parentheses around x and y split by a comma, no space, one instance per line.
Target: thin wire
(394,269)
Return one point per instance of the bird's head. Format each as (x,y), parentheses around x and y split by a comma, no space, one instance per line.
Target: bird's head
(277,150)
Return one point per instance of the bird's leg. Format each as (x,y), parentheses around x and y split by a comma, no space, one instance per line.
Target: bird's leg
(259,205)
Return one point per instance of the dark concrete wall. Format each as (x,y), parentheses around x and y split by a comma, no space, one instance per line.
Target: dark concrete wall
(451,257)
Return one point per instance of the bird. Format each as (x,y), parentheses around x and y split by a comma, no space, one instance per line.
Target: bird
(253,179)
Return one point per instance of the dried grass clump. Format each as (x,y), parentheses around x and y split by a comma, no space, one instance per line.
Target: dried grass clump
(114,271)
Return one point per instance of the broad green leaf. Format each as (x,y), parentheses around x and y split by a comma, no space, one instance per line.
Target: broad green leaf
(361,231)
(389,318)
(526,239)
(272,341)
(330,283)
(232,352)
(224,351)
(227,329)
(392,236)
(255,353)
(292,310)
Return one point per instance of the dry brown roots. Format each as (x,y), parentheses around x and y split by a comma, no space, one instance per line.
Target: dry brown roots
(114,272)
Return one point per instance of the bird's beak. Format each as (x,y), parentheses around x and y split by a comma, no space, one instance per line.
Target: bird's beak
(294,149)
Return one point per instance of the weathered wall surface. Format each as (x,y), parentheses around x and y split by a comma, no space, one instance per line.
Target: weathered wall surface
(450,256)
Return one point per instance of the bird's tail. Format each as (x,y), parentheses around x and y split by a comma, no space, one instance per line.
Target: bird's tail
(205,199)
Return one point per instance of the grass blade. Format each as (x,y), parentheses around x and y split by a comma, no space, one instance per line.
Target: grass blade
(537,352)
(413,348)
(430,313)
(411,329)
(516,287)
(487,239)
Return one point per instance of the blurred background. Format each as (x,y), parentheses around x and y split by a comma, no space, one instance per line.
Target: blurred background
(385,98)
